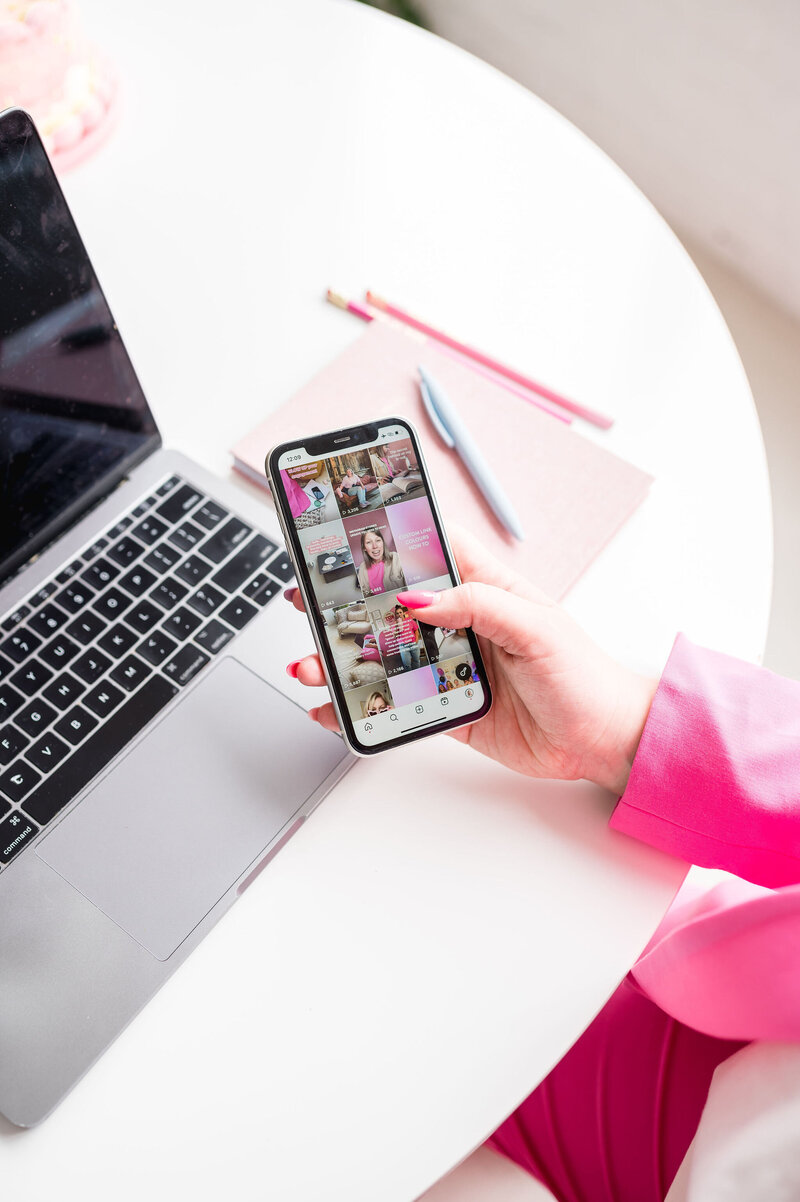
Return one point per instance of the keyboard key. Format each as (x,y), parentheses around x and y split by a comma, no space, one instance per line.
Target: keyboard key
(225,539)
(75,596)
(12,742)
(186,664)
(186,536)
(210,515)
(214,636)
(64,691)
(162,558)
(112,603)
(10,701)
(5,806)
(206,600)
(168,486)
(30,678)
(86,628)
(182,623)
(169,592)
(75,726)
(125,551)
(255,584)
(15,832)
(18,780)
(117,641)
(6,667)
(20,645)
(100,574)
(99,749)
(35,718)
(156,647)
(244,563)
(238,613)
(16,617)
(69,571)
(92,552)
(193,570)
(143,616)
(281,567)
(48,620)
(179,503)
(130,672)
(261,589)
(120,527)
(137,581)
(103,699)
(91,666)
(141,508)
(59,651)
(49,751)
(44,592)
(150,530)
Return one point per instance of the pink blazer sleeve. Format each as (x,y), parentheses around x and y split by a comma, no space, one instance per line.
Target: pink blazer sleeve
(716,779)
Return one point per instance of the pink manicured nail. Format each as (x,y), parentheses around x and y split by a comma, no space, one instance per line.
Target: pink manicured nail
(417,600)
(291,669)
(289,593)
(312,713)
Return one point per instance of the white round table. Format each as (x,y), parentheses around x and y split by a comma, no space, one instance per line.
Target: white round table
(418,957)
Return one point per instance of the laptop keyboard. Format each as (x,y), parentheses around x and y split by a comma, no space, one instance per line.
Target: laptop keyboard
(98,650)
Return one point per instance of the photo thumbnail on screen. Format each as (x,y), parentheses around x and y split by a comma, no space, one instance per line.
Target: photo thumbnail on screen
(397,471)
(372,544)
(354,483)
(354,645)
(400,641)
(330,565)
(309,493)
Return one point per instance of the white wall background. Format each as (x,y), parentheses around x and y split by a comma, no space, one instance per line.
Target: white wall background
(697,100)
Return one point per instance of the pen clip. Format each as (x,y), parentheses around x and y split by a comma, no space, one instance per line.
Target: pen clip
(432,412)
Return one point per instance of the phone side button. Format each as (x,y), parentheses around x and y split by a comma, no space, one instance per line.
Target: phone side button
(273,851)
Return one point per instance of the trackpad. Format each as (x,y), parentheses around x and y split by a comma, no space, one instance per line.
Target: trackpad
(164,836)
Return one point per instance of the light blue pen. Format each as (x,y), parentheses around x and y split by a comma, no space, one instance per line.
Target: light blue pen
(455,435)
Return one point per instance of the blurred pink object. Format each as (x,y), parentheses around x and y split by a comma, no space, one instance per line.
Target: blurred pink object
(48,69)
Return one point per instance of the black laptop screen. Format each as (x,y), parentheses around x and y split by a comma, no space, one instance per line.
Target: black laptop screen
(73,417)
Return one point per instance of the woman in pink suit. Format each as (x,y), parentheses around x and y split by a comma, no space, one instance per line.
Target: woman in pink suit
(706,763)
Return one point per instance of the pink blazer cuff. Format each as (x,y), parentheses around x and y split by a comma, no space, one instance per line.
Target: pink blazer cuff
(716,778)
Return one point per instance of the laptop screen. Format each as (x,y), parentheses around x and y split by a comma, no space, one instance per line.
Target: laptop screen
(73,417)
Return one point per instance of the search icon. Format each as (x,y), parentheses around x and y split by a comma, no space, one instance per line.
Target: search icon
(393,718)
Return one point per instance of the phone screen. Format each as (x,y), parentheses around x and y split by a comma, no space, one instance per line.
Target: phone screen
(367,528)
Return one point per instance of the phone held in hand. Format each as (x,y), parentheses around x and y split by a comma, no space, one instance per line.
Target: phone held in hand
(362,525)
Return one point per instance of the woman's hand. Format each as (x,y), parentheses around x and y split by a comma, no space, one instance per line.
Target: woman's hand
(562,709)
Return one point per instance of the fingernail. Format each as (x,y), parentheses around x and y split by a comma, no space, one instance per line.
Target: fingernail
(291,669)
(289,593)
(417,600)
(312,713)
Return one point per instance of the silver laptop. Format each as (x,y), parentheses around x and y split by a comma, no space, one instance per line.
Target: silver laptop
(151,761)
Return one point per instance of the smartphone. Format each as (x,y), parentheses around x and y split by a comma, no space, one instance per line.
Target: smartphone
(361,525)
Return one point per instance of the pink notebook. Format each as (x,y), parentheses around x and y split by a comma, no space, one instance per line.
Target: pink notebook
(571,495)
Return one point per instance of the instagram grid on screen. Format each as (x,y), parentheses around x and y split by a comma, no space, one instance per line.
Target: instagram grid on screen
(364,527)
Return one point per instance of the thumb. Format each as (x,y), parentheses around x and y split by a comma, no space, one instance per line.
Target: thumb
(494,614)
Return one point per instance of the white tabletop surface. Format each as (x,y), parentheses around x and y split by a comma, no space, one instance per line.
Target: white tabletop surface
(440,932)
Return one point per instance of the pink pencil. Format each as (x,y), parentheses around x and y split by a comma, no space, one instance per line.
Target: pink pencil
(342,302)
(589,415)
(366,314)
